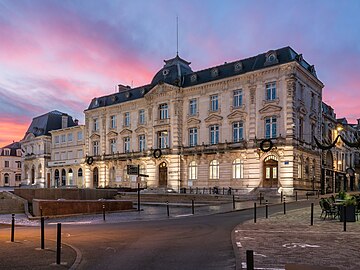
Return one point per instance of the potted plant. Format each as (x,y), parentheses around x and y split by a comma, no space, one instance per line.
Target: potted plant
(350,204)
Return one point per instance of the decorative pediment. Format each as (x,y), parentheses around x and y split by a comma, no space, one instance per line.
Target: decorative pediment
(161,89)
(313,117)
(30,136)
(237,115)
(213,118)
(193,121)
(95,136)
(270,109)
(301,109)
(141,129)
(112,134)
(125,131)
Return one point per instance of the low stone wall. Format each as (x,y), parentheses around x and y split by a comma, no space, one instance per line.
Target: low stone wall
(64,193)
(10,204)
(71,207)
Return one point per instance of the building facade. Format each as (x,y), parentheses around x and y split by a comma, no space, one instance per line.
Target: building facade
(10,165)
(36,147)
(247,124)
(67,157)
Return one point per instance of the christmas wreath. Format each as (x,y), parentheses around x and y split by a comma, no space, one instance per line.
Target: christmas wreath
(157,153)
(265,148)
(90,160)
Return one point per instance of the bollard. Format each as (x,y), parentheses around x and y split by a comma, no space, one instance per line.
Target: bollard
(318,192)
(42,242)
(203,190)
(58,244)
(307,196)
(266,210)
(197,190)
(12,227)
(344,217)
(192,207)
(281,195)
(139,197)
(295,195)
(41,212)
(103,208)
(284,206)
(249,260)
(190,190)
(167,209)
(234,202)
(260,198)
(209,190)
(254,212)
(312,215)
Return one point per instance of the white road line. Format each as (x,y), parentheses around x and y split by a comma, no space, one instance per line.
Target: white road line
(298,232)
(71,223)
(185,215)
(243,264)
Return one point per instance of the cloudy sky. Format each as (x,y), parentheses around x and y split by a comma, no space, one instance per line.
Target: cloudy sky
(61,54)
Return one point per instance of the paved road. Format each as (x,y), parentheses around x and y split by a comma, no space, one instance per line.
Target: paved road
(197,242)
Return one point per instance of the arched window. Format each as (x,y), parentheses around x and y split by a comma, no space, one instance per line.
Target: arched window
(112,175)
(63,177)
(300,168)
(39,171)
(193,170)
(6,179)
(238,169)
(214,169)
(71,177)
(80,177)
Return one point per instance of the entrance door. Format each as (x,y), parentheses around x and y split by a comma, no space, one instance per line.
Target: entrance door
(95,177)
(270,172)
(163,175)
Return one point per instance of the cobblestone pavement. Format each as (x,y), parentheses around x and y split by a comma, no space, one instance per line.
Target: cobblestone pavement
(283,239)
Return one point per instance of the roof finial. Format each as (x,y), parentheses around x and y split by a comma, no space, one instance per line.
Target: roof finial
(177,36)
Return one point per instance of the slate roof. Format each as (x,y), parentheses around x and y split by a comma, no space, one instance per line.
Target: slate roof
(41,125)
(13,147)
(177,71)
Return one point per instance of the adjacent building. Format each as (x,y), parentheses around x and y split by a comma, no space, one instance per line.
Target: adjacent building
(10,165)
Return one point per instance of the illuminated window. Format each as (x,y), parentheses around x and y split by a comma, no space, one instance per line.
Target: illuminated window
(214,169)
(238,169)
(193,170)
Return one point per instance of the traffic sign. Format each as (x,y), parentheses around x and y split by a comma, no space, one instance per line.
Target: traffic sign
(132,169)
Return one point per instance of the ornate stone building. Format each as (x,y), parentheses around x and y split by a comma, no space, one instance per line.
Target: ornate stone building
(10,165)
(36,147)
(246,124)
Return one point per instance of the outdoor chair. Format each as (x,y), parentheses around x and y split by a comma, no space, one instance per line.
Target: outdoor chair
(327,209)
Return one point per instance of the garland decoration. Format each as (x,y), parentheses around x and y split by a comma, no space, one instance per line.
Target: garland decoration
(266,148)
(157,153)
(90,160)
(326,147)
(351,144)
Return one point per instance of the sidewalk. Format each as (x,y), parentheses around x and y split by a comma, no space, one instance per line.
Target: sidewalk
(283,239)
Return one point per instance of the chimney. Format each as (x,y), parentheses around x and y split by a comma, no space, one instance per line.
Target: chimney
(123,88)
(358,121)
(64,120)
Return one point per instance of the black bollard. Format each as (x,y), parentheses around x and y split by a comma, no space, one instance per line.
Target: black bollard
(139,197)
(281,195)
(103,208)
(266,210)
(234,202)
(307,196)
(203,190)
(295,195)
(167,209)
(249,260)
(197,190)
(58,244)
(254,212)
(284,206)
(209,190)
(312,215)
(12,227)
(192,207)
(260,198)
(42,242)
(344,217)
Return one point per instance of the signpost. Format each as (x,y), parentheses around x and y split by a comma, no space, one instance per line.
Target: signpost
(135,170)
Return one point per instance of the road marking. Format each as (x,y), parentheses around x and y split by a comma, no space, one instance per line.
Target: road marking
(111,248)
(185,215)
(298,232)
(238,244)
(71,223)
(294,245)
(261,255)
(243,264)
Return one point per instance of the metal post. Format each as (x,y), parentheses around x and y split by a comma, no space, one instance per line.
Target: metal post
(344,218)
(197,190)
(254,212)
(295,195)
(167,209)
(41,212)
(223,191)
(284,206)
(192,207)
(203,190)
(42,233)
(318,194)
(209,190)
(260,198)
(58,244)
(281,195)
(249,260)
(312,214)
(103,208)
(138,196)
(307,196)
(12,227)
(266,210)
(234,202)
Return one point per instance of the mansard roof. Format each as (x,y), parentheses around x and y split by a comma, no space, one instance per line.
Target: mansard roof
(177,72)
(13,147)
(41,125)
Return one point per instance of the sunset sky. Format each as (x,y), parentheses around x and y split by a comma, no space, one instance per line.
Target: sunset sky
(58,55)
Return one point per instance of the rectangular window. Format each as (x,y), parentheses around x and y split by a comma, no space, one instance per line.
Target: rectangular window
(192,136)
(271,91)
(95,124)
(163,111)
(163,139)
(141,117)
(57,139)
(214,103)
(237,99)
(19,164)
(270,127)
(127,119)
(17,177)
(96,148)
(6,152)
(79,135)
(193,106)
(126,144)
(238,130)
(70,137)
(70,155)
(113,121)
(79,153)
(112,146)
(141,142)
(214,134)
(7,164)
(63,138)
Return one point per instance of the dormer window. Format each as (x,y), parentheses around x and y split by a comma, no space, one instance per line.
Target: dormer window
(96,102)
(6,152)
(193,78)
(238,66)
(271,58)
(214,72)
(165,72)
